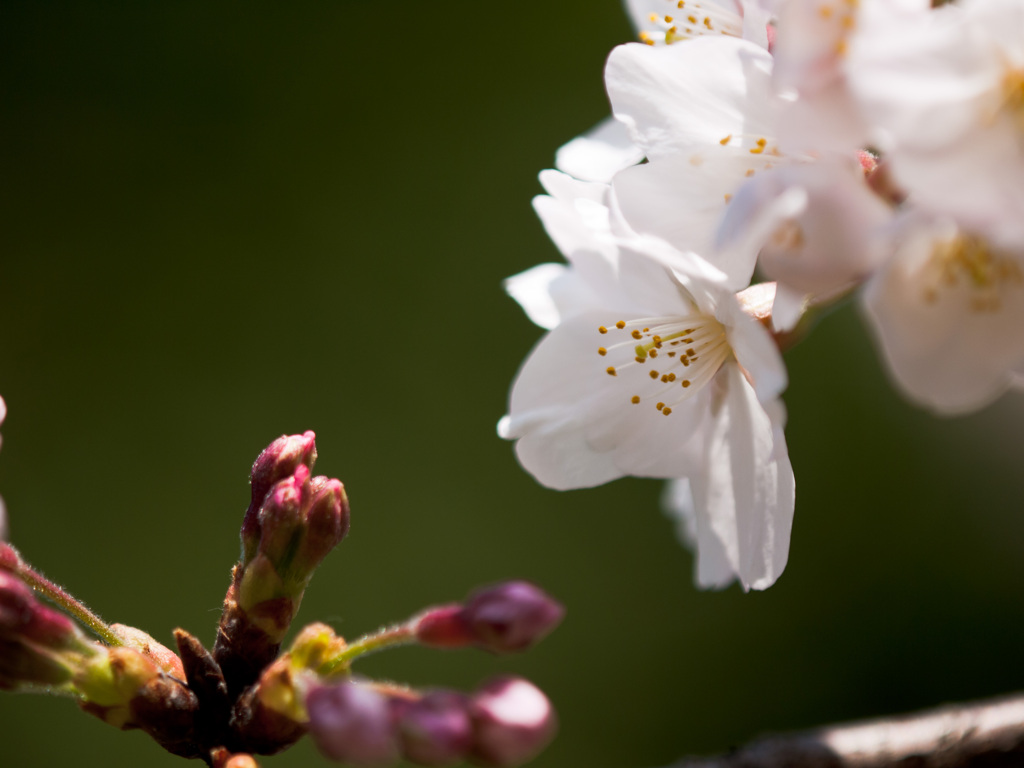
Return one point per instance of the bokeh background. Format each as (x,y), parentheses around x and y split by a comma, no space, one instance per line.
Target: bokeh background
(223,222)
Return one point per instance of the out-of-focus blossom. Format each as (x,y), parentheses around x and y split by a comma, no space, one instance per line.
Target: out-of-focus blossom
(948,309)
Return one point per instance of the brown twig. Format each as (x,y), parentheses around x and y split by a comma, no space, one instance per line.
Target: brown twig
(987,734)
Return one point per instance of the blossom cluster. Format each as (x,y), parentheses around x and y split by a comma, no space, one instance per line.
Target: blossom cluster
(766,159)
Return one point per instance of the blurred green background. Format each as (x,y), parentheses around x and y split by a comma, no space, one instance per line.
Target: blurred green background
(223,222)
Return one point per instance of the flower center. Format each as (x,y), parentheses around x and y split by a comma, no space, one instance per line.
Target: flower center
(687,19)
(667,359)
(968,262)
(1013,96)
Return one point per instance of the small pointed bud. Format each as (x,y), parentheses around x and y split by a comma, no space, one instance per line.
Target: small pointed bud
(269,716)
(23,616)
(327,522)
(436,730)
(442,627)
(511,616)
(281,519)
(278,461)
(513,721)
(145,644)
(352,723)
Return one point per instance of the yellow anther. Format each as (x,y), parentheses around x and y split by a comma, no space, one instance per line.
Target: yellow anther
(635,400)
(666,411)
(602,329)
(750,172)
(659,406)
(653,353)
(610,370)
(602,351)
(640,359)
(728,197)
(671,377)
(621,324)
(707,22)
(653,17)
(636,334)
(653,374)
(668,19)
(725,140)
(692,19)
(686,382)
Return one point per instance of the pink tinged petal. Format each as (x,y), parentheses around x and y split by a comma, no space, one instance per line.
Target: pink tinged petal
(815,226)
(3,521)
(947,313)
(789,306)
(671,98)
(599,153)
(746,498)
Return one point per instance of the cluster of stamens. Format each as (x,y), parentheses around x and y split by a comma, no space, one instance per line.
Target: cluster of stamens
(679,355)
(691,19)
(970,261)
(844,16)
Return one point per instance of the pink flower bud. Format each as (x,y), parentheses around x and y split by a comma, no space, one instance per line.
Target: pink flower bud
(442,627)
(511,616)
(22,616)
(436,730)
(281,518)
(327,521)
(278,461)
(352,723)
(513,721)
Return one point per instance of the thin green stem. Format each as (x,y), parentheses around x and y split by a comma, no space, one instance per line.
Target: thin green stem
(390,637)
(66,601)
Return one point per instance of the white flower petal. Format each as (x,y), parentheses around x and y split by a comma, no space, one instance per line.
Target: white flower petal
(947,312)
(532,289)
(713,569)
(749,492)
(673,97)
(599,153)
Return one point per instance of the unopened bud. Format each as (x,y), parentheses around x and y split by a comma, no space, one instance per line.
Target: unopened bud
(352,723)
(278,461)
(442,627)
(327,521)
(145,644)
(436,730)
(22,616)
(513,721)
(511,616)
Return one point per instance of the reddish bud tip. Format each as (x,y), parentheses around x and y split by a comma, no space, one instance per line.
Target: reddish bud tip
(436,730)
(513,721)
(442,627)
(279,460)
(352,723)
(511,616)
(327,520)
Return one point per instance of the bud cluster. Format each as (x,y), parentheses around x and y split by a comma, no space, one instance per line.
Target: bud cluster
(293,521)
(243,698)
(503,723)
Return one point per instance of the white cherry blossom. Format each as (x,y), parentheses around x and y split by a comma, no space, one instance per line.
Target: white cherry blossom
(948,309)
(944,93)
(651,367)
